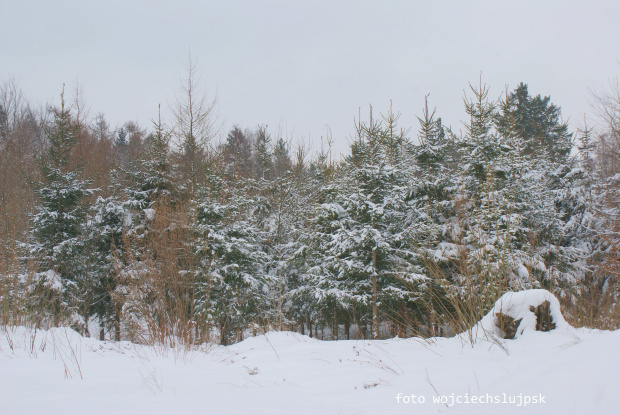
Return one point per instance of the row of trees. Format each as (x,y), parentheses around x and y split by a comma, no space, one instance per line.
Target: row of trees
(169,236)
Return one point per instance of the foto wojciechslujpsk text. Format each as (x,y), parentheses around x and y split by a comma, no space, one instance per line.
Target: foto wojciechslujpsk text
(473,399)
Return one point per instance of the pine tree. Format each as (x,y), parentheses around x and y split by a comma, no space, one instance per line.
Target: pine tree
(237,154)
(502,209)
(365,266)
(512,229)
(579,203)
(537,121)
(569,183)
(140,276)
(232,286)
(106,245)
(479,234)
(301,303)
(431,212)
(281,158)
(291,199)
(150,177)
(57,226)
(433,186)
(263,162)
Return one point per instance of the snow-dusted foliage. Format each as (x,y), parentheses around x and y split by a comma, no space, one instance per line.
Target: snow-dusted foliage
(56,235)
(106,228)
(232,284)
(501,207)
(364,264)
(405,234)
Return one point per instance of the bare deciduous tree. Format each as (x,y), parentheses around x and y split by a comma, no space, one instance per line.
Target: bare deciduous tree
(194,126)
(607,106)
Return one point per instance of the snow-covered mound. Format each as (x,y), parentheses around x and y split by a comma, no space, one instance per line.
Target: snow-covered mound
(521,308)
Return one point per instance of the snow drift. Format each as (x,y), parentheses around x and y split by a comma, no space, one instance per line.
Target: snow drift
(567,371)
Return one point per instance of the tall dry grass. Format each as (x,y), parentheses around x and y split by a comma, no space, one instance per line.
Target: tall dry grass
(159,295)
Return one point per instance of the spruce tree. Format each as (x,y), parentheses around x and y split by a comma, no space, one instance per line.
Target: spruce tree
(150,177)
(237,154)
(281,158)
(365,266)
(431,213)
(537,121)
(263,159)
(106,244)
(231,282)
(57,225)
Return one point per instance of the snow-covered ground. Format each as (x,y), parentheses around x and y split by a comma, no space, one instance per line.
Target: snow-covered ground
(573,371)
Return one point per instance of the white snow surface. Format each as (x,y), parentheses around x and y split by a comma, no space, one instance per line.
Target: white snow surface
(60,372)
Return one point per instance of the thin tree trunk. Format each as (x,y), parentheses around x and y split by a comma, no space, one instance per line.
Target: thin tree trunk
(117,327)
(375,308)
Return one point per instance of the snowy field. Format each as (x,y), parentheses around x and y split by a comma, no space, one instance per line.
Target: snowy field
(565,371)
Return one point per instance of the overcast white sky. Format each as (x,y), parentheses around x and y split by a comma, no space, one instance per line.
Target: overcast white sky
(311,64)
